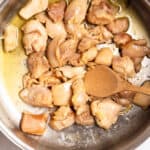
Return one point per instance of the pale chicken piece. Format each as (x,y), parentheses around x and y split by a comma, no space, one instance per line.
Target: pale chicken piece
(56,10)
(71,72)
(28,81)
(62,94)
(35,37)
(53,51)
(137,63)
(124,66)
(104,57)
(85,118)
(37,95)
(76,11)
(75,60)
(136,48)
(79,97)
(63,117)
(76,30)
(119,25)
(89,55)
(10,38)
(106,112)
(67,50)
(122,39)
(34,123)
(101,12)
(53,29)
(86,43)
(142,99)
(33,7)
(48,79)
(37,64)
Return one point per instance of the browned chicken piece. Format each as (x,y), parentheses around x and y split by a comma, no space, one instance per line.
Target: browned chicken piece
(86,43)
(89,55)
(76,11)
(70,72)
(101,12)
(54,29)
(119,25)
(48,79)
(37,64)
(28,81)
(106,112)
(33,7)
(56,10)
(137,63)
(104,57)
(124,66)
(122,39)
(141,99)
(35,37)
(75,60)
(62,94)
(127,95)
(136,48)
(10,38)
(101,34)
(85,118)
(37,95)
(79,97)
(64,117)
(67,49)
(53,50)
(34,123)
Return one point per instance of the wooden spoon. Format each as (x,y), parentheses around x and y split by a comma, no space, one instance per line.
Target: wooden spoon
(103,82)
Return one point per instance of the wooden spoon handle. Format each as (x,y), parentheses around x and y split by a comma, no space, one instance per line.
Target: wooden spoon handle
(134,88)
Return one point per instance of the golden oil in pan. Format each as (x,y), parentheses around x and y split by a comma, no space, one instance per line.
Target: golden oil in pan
(13,64)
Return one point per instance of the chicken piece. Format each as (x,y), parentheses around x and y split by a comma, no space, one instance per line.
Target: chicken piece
(79,97)
(71,72)
(122,39)
(137,63)
(28,81)
(75,60)
(85,118)
(77,31)
(136,48)
(10,38)
(33,7)
(86,43)
(104,57)
(53,50)
(106,112)
(62,94)
(33,123)
(48,79)
(62,118)
(101,12)
(101,34)
(53,29)
(127,95)
(37,64)
(89,55)
(119,25)
(76,11)
(67,49)
(37,95)
(35,37)
(124,66)
(142,99)
(56,10)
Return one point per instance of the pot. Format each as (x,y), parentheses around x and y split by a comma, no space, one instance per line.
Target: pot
(130,131)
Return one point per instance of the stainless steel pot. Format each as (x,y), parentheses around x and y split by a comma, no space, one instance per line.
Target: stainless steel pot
(130,131)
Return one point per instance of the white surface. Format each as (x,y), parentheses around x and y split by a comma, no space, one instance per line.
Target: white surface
(145,145)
